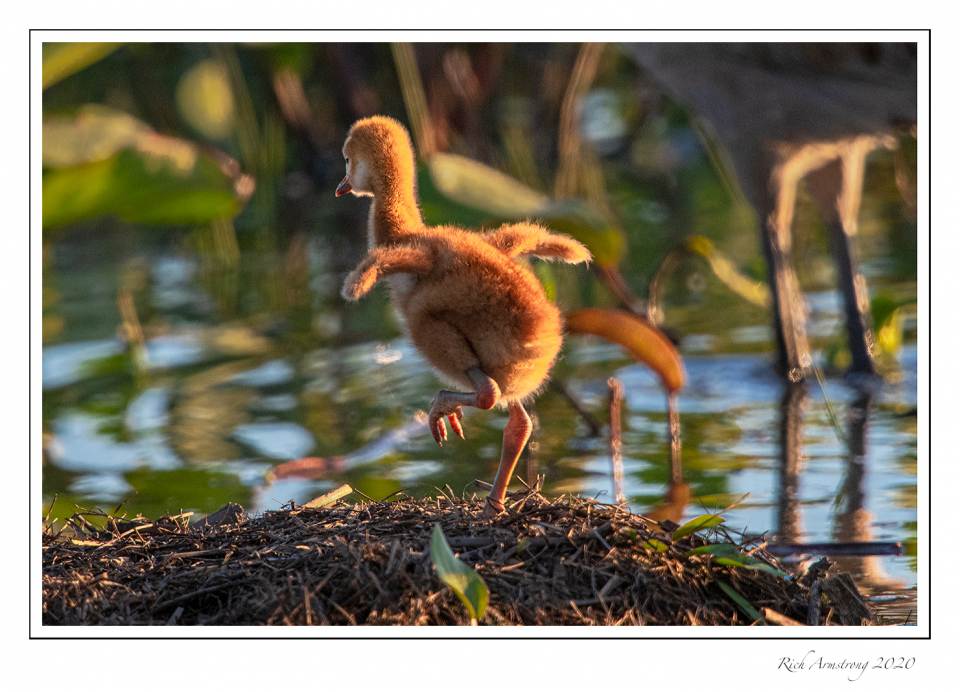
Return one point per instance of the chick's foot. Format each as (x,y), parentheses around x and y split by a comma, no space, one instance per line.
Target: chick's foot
(493,508)
(449,405)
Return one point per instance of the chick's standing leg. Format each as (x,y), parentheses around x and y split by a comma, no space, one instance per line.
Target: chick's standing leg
(515,437)
(450,404)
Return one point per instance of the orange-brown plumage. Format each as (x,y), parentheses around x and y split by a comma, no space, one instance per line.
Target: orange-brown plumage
(471,308)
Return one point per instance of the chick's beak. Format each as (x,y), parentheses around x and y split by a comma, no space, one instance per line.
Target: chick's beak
(344,187)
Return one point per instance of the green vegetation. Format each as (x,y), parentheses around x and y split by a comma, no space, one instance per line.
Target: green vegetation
(462,580)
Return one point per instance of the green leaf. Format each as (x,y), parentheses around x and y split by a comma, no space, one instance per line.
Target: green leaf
(882,307)
(747,562)
(100,162)
(464,581)
(479,186)
(654,544)
(727,272)
(730,555)
(741,602)
(60,60)
(887,314)
(704,521)
(717,549)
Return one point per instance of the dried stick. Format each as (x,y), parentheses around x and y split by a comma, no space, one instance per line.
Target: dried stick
(616,439)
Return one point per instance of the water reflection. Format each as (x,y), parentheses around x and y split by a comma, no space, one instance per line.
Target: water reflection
(789,520)
(853,522)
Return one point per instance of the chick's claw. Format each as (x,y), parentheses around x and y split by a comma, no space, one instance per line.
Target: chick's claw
(455,422)
(443,407)
(437,429)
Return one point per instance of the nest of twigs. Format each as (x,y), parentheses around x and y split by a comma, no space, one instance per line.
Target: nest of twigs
(565,561)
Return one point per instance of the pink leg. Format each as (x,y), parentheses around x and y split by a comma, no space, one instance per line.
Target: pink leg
(450,404)
(515,437)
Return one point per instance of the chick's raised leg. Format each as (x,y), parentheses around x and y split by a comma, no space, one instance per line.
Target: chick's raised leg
(450,404)
(516,240)
(516,434)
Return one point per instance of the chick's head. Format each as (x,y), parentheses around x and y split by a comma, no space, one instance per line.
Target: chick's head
(379,158)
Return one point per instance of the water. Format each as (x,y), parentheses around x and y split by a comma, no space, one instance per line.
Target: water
(247,364)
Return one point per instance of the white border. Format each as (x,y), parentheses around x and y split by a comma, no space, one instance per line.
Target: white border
(40,631)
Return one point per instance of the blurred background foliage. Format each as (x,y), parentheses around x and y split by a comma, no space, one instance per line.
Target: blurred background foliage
(193,251)
(240,143)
